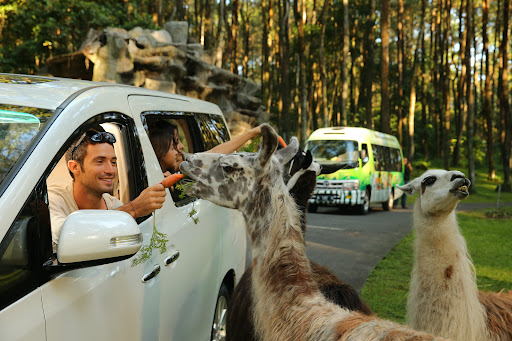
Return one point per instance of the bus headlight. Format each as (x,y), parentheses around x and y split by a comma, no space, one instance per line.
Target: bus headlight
(351,185)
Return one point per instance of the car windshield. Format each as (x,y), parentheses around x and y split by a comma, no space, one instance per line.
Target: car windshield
(18,126)
(340,153)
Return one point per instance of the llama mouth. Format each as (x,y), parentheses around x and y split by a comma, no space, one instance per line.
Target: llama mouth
(461,192)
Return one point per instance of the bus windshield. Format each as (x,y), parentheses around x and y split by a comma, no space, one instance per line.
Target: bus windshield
(18,126)
(334,153)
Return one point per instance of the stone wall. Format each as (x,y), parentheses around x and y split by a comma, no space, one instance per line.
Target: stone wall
(166,60)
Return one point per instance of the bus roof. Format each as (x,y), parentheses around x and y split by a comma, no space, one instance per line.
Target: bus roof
(359,134)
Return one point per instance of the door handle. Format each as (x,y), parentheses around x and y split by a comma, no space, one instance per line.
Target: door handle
(152,274)
(172,258)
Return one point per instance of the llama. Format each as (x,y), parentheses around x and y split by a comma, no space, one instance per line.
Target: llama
(303,171)
(443,296)
(287,302)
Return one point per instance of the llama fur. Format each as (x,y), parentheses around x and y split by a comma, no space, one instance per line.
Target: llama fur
(443,296)
(288,304)
(303,171)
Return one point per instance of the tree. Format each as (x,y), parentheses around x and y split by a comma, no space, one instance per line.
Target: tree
(384,116)
(506,124)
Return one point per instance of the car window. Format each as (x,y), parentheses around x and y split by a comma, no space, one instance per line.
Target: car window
(18,127)
(24,249)
(131,177)
(213,130)
(162,140)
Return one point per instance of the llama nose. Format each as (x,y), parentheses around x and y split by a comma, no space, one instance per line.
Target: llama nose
(186,156)
(457,176)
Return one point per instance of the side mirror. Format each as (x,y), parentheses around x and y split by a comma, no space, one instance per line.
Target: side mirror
(98,235)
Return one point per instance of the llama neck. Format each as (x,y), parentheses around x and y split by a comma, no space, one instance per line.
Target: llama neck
(276,237)
(282,281)
(443,296)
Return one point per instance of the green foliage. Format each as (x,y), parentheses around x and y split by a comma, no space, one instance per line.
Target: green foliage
(32,31)
(499,213)
(158,241)
(253,146)
(488,242)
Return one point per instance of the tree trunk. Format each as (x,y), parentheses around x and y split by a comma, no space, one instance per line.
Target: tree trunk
(300,18)
(284,44)
(246,38)
(401,51)
(385,125)
(469,95)
(323,67)
(220,34)
(412,97)
(365,95)
(461,99)
(505,112)
(344,64)
(424,93)
(234,37)
(487,111)
(266,43)
(446,85)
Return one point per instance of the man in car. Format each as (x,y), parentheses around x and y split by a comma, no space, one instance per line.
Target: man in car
(92,164)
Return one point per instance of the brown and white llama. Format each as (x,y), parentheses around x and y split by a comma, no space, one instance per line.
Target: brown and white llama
(303,171)
(443,295)
(287,302)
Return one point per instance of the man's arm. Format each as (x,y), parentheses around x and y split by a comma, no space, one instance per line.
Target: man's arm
(149,200)
(236,142)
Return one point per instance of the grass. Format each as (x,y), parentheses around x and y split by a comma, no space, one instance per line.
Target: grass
(489,243)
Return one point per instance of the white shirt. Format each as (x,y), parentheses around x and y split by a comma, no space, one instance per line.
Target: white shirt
(62,204)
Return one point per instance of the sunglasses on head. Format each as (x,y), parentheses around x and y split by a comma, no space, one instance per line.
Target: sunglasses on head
(97,137)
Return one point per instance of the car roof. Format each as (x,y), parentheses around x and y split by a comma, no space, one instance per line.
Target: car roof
(51,92)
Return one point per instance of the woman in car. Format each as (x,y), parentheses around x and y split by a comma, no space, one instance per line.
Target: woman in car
(168,148)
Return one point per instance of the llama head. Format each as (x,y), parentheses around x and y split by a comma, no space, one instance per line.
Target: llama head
(229,180)
(439,190)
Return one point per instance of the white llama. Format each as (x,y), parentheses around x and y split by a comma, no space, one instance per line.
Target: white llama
(287,302)
(443,296)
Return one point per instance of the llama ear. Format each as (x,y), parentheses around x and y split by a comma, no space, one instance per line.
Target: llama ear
(308,160)
(286,154)
(268,144)
(410,188)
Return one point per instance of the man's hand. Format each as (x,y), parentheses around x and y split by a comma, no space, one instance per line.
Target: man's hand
(151,199)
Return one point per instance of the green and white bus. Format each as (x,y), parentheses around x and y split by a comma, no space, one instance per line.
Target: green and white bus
(359,167)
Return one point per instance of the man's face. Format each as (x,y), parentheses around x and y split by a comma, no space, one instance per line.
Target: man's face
(99,169)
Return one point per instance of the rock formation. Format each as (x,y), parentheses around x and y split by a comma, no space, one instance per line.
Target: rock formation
(165,60)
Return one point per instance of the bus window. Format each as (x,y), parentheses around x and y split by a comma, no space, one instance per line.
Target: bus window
(364,154)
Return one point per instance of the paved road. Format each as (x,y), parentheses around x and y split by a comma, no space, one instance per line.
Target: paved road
(351,245)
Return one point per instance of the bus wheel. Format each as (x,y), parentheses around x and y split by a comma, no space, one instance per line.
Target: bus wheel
(312,208)
(364,208)
(388,205)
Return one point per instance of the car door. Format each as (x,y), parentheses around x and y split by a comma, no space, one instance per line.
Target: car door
(21,310)
(191,282)
(112,301)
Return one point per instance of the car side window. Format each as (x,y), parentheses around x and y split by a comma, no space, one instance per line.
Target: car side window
(160,127)
(213,129)
(131,177)
(24,249)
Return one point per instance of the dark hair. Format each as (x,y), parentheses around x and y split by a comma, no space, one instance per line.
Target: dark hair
(79,149)
(161,135)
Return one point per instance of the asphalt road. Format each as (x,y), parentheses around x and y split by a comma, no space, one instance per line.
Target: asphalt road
(351,245)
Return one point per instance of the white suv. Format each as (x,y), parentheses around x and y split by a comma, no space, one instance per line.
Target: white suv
(166,276)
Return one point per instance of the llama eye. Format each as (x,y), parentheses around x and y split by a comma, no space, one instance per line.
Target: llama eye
(429,181)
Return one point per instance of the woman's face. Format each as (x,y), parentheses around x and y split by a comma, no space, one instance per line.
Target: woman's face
(171,161)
